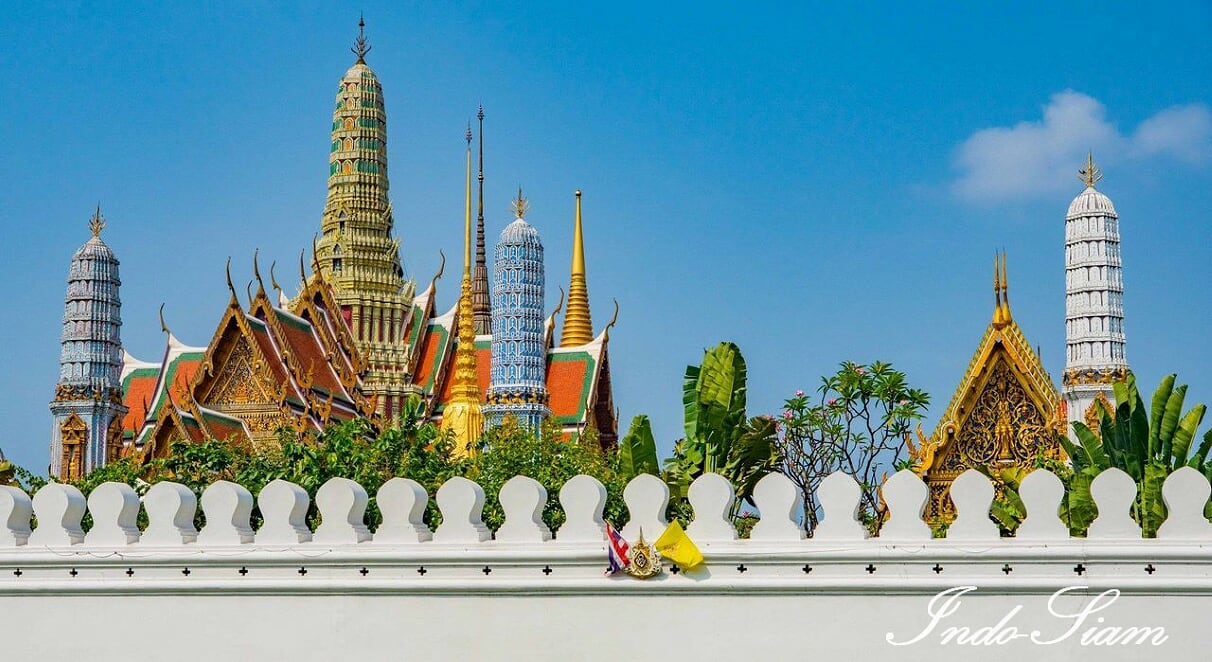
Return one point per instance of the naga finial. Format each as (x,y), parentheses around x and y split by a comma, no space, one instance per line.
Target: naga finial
(230,286)
(163,326)
(1090,174)
(559,304)
(520,205)
(97,222)
(613,320)
(433,283)
(257,271)
(273,281)
(361,47)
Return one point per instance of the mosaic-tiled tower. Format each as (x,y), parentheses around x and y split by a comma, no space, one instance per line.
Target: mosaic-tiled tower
(1094,301)
(519,354)
(356,250)
(88,409)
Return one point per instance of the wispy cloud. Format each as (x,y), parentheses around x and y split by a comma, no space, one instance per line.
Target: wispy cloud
(1041,156)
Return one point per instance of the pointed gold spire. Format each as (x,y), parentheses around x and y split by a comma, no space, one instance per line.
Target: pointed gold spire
(1090,174)
(1001,295)
(361,47)
(97,222)
(578,327)
(463,415)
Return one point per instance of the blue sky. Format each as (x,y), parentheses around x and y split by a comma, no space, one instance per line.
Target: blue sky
(816,184)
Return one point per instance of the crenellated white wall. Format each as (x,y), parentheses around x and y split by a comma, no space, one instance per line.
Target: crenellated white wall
(525,592)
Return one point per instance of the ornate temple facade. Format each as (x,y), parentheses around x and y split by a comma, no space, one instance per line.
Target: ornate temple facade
(88,407)
(1094,302)
(355,341)
(1007,411)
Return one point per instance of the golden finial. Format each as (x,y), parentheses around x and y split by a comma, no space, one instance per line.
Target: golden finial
(614,319)
(441,270)
(998,317)
(1090,174)
(361,48)
(520,205)
(97,222)
(578,325)
(257,272)
(231,287)
(273,281)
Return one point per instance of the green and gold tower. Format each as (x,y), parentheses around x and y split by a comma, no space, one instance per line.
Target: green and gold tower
(356,251)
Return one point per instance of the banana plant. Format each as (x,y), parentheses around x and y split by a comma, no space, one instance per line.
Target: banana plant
(1148,445)
(719,436)
(637,450)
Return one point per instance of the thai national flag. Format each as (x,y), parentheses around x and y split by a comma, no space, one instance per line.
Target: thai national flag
(616,551)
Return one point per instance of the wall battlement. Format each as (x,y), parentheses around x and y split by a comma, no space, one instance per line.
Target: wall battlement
(465,571)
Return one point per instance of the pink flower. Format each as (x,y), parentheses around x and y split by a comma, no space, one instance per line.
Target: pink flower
(787,415)
(799,394)
(832,401)
(860,370)
(904,402)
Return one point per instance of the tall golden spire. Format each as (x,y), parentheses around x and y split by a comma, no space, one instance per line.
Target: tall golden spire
(1001,295)
(463,415)
(1090,174)
(578,327)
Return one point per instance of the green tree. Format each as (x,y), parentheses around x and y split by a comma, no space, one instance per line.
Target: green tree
(857,423)
(510,450)
(720,438)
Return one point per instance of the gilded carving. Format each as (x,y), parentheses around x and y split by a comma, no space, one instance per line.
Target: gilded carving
(237,382)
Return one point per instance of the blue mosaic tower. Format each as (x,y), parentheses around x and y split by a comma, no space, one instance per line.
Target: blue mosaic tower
(87,408)
(518,383)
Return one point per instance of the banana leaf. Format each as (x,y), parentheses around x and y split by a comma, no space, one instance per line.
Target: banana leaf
(713,395)
(1174,412)
(637,450)
(1152,509)
(1185,433)
(1138,425)
(1157,411)
(1091,446)
(1200,459)
(1078,507)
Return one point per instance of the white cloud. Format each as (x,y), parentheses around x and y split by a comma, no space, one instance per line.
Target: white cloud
(1039,157)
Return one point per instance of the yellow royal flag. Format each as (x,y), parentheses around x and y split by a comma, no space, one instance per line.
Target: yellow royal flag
(676,546)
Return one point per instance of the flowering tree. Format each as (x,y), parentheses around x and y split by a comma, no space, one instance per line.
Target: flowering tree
(857,424)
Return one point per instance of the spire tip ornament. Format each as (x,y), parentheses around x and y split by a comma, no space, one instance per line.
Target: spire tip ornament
(520,205)
(361,47)
(97,223)
(1090,174)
